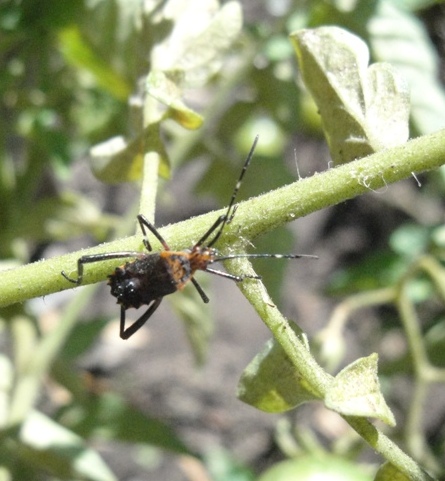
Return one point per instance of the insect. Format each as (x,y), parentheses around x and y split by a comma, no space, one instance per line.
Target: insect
(153,275)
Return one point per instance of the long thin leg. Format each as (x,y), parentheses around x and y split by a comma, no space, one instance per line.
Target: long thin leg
(200,291)
(89,259)
(144,222)
(215,225)
(129,331)
(227,218)
(220,222)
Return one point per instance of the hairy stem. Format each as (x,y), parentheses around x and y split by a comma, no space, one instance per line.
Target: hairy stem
(255,216)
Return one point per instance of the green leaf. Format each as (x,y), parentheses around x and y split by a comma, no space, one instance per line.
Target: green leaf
(316,468)
(109,416)
(60,218)
(82,337)
(414,5)
(192,54)
(201,36)
(271,383)
(166,88)
(398,37)
(438,236)
(355,391)
(380,269)
(52,447)
(120,160)
(79,53)
(410,240)
(388,472)
(363,109)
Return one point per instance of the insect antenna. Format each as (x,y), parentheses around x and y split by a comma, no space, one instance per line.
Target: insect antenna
(262,256)
(255,256)
(226,218)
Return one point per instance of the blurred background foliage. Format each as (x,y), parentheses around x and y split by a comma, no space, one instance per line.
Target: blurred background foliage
(72,82)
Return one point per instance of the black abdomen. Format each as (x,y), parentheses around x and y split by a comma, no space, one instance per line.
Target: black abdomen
(148,278)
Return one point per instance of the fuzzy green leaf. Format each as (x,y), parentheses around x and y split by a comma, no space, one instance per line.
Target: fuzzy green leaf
(356,392)
(202,34)
(271,383)
(192,54)
(363,109)
(398,37)
(388,472)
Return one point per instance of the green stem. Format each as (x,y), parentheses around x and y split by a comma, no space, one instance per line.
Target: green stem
(354,302)
(316,378)
(255,216)
(389,450)
(415,434)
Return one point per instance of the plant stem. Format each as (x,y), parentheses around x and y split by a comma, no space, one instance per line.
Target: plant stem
(255,216)
(316,378)
(391,452)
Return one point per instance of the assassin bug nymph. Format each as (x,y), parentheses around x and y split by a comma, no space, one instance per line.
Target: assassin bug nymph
(151,276)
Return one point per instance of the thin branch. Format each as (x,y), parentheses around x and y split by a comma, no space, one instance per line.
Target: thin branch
(254,217)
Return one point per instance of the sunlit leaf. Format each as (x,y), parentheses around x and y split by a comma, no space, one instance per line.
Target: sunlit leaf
(202,34)
(363,109)
(398,37)
(166,88)
(52,447)
(356,392)
(194,52)
(317,468)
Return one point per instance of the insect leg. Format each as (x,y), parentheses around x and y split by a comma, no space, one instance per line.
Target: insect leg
(144,222)
(215,225)
(129,331)
(200,291)
(227,218)
(89,259)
